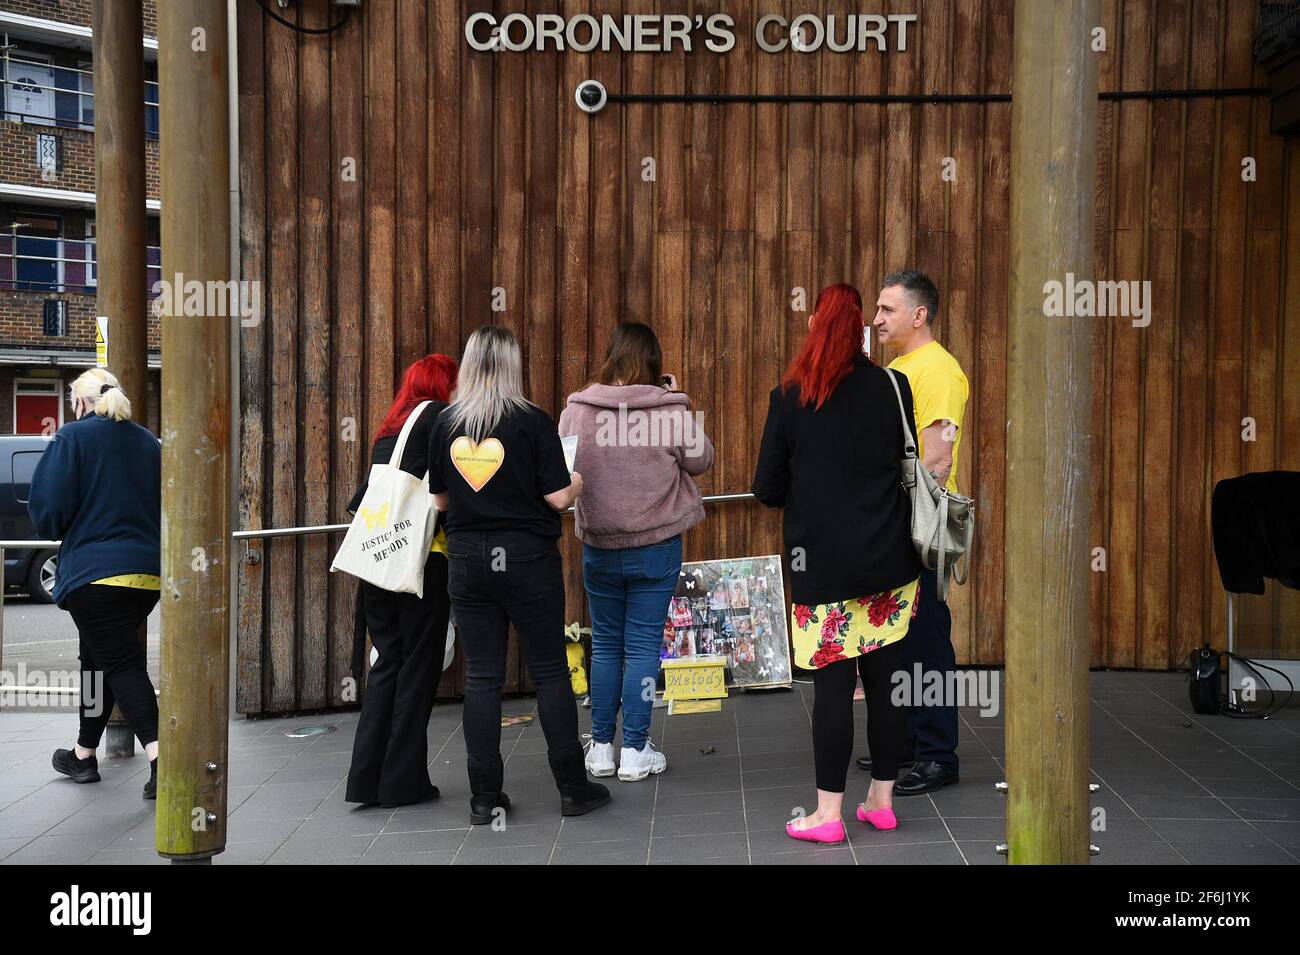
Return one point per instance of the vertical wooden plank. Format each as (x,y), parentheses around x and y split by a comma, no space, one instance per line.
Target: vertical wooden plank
(990,420)
(1288,646)
(833,194)
(769,293)
(412,183)
(510,172)
(1228,330)
(638,243)
(1133,166)
(703,351)
(731,397)
(280,683)
(865,156)
(1193,554)
(1158,375)
(903,72)
(314,270)
(252,360)
(347,141)
(477,137)
(572,319)
(672,250)
(443,122)
(380,173)
(960,316)
(607,197)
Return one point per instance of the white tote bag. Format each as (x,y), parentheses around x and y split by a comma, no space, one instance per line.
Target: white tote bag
(390,535)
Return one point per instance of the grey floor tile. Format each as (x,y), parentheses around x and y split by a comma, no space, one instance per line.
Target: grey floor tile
(1180,807)
(613,852)
(443,857)
(398,843)
(933,853)
(698,824)
(824,856)
(1281,810)
(505,855)
(711,846)
(1122,851)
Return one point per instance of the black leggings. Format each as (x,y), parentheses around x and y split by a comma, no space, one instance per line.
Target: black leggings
(390,753)
(832,718)
(113,662)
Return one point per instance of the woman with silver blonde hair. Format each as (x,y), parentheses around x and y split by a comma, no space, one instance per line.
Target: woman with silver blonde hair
(496,466)
(98,489)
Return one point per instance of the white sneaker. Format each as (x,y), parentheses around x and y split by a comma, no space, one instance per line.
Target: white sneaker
(637,764)
(600,758)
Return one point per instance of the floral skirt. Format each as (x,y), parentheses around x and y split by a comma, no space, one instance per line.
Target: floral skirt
(844,629)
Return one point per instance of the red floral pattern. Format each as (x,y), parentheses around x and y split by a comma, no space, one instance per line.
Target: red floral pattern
(843,634)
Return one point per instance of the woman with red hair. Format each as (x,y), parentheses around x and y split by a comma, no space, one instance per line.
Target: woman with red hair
(830,458)
(390,754)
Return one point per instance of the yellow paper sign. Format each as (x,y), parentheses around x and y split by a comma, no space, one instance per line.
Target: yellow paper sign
(695,678)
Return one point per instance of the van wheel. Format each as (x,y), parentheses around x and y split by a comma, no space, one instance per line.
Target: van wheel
(41,576)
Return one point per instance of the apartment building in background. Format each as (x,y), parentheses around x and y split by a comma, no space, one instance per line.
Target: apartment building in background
(47,208)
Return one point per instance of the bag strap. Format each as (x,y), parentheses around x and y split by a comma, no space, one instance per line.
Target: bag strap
(407,426)
(908,445)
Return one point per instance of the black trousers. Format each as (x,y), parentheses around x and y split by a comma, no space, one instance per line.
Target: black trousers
(832,718)
(390,755)
(495,580)
(932,729)
(114,668)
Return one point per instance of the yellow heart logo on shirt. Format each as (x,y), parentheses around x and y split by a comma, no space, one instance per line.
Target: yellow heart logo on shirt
(477,462)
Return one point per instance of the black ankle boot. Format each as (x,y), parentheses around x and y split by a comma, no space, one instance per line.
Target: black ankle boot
(151,787)
(578,794)
(80,770)
(486,797)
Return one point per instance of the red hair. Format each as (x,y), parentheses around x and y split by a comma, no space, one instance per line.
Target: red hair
(827,354)
(430,379)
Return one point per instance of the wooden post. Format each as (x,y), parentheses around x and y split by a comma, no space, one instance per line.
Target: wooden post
(118,59)
(1049,409)
(196,416)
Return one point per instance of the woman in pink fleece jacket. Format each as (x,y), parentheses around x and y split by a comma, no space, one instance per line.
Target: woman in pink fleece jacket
(639,443)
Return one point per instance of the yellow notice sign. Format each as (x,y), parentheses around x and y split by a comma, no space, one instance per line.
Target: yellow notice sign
(101,341)
(695,678)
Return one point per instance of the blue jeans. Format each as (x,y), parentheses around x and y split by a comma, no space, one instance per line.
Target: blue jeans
(628,592)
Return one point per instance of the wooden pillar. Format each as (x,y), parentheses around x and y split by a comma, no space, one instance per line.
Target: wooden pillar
(1049,409)
(196,416)
(118,60)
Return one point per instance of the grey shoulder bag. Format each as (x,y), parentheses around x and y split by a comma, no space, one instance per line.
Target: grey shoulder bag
(943,523)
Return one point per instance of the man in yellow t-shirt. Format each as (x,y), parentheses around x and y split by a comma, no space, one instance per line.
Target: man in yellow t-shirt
(905,312)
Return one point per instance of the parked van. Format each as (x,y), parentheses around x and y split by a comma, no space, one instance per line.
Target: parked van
(29,569)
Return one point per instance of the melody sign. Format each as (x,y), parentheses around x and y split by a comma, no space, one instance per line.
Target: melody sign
(663,33)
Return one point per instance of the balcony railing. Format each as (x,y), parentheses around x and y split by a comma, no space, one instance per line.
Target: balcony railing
(46,264)
(67,100)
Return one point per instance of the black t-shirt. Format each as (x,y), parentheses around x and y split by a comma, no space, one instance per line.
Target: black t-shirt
(501,483)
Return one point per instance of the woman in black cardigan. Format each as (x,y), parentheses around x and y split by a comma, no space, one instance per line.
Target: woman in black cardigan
(830,457)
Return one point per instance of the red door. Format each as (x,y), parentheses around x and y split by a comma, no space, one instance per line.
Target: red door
(36,407)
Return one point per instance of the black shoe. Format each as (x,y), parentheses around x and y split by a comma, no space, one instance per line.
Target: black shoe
(864,762)
(151,787)
(483,807)
(486,796)
(81,770)
(430,793)
(578,794)
(926,777)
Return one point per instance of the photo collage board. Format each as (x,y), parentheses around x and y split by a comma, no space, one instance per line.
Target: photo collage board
(735,609)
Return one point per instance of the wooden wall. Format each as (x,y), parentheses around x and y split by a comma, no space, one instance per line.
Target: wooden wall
(475,171)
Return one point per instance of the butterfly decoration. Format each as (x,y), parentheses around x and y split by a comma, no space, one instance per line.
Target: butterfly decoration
(375,519)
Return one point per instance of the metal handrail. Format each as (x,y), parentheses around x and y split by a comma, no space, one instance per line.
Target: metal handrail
(314,528)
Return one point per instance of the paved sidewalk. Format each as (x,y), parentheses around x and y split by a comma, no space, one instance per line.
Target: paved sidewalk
(1175,789)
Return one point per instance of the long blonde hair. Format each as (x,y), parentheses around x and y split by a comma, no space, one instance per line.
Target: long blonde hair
(100,388)
(491,382)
